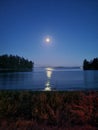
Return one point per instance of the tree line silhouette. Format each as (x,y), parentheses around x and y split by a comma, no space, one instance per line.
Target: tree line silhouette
(15,63)
(90,65)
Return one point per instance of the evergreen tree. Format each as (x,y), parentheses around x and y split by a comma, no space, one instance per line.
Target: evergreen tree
(11,62)
(90,65)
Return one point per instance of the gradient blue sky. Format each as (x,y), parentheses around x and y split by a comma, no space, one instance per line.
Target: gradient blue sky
(72,25)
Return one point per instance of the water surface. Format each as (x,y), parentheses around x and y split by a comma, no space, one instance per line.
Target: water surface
(56,79)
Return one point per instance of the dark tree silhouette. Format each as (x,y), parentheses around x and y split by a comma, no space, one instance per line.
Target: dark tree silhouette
(90,65)
(15,63)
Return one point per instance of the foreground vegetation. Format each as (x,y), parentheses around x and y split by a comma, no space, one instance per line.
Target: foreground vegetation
(15,63)
(48,110)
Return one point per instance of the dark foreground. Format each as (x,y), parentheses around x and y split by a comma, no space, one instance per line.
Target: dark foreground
(27,110)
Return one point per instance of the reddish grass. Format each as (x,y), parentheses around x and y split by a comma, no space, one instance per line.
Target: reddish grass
(48,110)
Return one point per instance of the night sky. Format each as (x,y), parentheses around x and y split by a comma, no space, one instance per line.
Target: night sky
(72,26)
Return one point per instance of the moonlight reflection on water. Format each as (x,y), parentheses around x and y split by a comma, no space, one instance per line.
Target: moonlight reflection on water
(49,74)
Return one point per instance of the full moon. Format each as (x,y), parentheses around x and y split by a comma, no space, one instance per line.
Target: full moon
(47,40)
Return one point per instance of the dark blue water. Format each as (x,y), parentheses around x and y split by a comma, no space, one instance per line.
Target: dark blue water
(56,79)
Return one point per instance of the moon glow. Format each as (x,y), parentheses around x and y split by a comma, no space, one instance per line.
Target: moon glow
(47,40)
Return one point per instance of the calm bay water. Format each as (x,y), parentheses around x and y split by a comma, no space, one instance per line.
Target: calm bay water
(56,79)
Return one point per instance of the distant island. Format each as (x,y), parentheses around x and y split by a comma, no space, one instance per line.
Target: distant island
(90,65)
(67,67)
(15,63)
(61,67)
